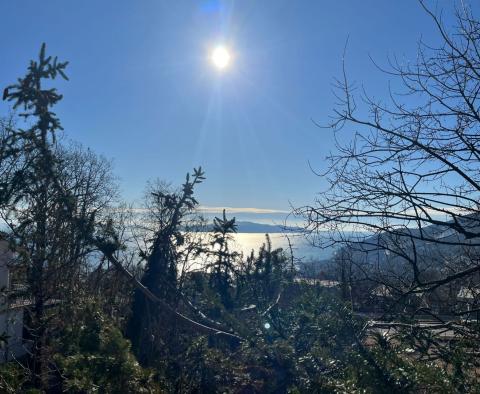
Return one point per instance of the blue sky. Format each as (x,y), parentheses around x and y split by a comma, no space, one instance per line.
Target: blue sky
(143,91)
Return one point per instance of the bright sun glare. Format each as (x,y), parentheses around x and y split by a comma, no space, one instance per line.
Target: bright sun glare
(220,57)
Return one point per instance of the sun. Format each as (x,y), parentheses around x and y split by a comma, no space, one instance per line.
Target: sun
(220,57)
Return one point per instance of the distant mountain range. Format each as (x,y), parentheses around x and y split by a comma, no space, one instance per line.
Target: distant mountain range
(252,227)
(432,246)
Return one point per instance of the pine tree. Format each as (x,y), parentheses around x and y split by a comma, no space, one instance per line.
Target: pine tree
(223,267)
(146,328)
(33,187)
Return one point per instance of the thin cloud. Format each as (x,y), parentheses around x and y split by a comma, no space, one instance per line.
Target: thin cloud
(206,209)
(212,210)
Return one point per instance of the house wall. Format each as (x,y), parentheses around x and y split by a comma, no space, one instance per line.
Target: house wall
(11,317)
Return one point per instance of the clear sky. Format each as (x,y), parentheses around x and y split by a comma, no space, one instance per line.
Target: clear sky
(143,90)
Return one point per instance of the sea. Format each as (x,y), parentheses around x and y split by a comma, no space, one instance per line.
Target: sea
(302,249)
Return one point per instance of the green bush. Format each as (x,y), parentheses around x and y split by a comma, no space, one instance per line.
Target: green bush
(96,358)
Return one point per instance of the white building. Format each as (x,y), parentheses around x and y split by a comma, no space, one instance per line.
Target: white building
(11,311)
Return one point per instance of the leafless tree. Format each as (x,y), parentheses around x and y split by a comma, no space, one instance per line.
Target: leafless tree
(403,195)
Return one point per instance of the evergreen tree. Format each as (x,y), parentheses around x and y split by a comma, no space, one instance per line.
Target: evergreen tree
(223,268)
(32,188)
(169,210)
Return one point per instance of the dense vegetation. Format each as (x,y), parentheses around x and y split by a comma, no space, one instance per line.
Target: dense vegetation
(122,300)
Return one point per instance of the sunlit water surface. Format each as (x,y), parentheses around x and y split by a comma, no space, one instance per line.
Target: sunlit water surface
(302,249)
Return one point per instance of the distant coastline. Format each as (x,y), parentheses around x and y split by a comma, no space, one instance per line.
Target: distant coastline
(253,227)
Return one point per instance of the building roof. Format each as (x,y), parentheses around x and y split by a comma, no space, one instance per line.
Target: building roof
(318,282)
(468,293)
